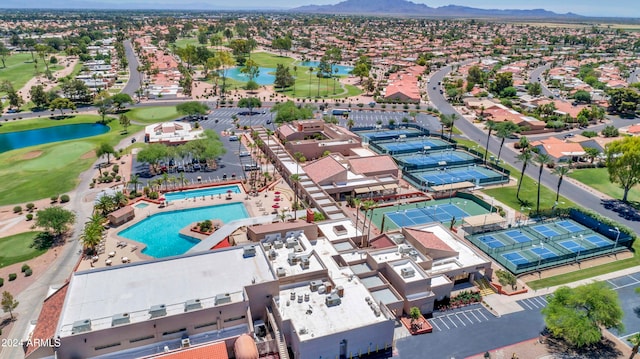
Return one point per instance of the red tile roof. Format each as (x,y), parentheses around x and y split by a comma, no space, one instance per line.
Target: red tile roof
(429,240)
(323,169)
(48,319)
(367,165)
(212,351)
(382,241)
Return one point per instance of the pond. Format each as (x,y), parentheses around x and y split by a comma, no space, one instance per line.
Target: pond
(266,76)
(342,70)
(13,140)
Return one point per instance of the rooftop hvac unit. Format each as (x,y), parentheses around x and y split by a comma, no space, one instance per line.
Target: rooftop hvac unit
(291,242)
(297,248)
(186,342)
(223,298)
(119,319)
(81,326)
(281,272)
(192,304)
(158,311)
(249,251)
(404,248)
(407,272)
(314,284)
(292,258)
(304,262)
(413,254)
(267,246)
(333,300)
(273,254)
(277,244)
(397,238)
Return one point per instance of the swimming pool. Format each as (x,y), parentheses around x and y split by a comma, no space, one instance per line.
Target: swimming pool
(142,205)
(209,191)
(161,232)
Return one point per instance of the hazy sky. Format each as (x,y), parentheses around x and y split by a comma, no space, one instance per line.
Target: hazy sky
(622,8)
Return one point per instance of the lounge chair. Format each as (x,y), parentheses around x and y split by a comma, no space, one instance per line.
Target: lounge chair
(134,248)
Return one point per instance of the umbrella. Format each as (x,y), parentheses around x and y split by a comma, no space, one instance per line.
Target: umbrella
(275,206)
(161,199)
(277,193)
(229,191)
(276,199)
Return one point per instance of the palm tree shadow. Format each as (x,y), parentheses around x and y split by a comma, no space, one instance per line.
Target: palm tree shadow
(629,210)
(636,310)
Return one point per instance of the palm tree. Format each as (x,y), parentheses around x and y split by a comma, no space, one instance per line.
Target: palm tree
(369,205)
(505,129)
(310,72)
(135,181)
(92,233)
(104,205)
(165,180)
(120,200)
(524,142)
(635,340)
(525,157)
(350,123)
(295,178)
(542,159)
(561,171)
(356,203)
(490,126)
(182,179)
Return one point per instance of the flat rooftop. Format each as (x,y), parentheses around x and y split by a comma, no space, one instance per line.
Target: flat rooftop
(466,256)
(100,294)
(339,230)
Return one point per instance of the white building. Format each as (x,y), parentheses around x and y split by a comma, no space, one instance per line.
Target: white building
(171,133)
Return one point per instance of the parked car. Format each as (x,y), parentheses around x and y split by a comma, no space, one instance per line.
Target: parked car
(233,138)
(197,167)
(244,154)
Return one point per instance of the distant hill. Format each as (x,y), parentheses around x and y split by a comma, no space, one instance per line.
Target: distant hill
(404,7)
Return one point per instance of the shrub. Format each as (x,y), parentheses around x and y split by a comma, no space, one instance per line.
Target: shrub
(64,198)
(29,216)
(1,282)
(25,267)
(17,209)
(116,168)
(589,134)
(154,195)
(43,240)
(118,178)
(28,272)
(54,198)
(12,277)
(30,206)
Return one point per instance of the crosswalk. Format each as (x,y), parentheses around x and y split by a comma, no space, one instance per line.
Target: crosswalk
(460,319)
(534,303)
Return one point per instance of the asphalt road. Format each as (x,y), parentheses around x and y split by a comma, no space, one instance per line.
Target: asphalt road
(135,77)
(536,76)
(579,195)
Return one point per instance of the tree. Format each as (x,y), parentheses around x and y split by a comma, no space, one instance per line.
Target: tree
(103,102)
(62,104)
(38,96)
(623,101)
(414,313)
(502,81)
(135,181)
(525,157)
(534,89)
(224,62)
(125,122)
(8,303)
(192,108)
(369,206)
(623,163)
(281,43)
(582,96)
(120,100)
(592,153)
(369,85)
(578,314)
(449,121)
(4,52)
(283,77)
(504,131)
(251,69)
(152,154)
(610,131)
(15,100)
(249,103)
(490,126)
(289,111)
(105,149)
(55,220)
(92,231)
(357,202)
(542,159)
(635,341)
(506,278)
(295,178)
(560,171)
(474,76)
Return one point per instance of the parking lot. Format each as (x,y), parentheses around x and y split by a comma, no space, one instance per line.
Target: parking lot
(443,321)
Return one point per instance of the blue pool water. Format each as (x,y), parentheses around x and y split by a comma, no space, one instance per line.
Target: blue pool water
(161,232)
(266,76)
(142,205)
(342,70)
(172,196)
(14,140)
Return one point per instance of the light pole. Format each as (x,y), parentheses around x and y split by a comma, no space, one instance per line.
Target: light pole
(539,259)
(617,231)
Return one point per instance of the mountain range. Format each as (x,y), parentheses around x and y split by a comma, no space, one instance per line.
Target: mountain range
(405,7)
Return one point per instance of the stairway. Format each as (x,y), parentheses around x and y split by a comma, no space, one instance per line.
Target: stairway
(485,288)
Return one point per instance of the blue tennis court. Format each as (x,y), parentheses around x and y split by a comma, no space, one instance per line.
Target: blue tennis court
(518,236)
(456,174)
(515,258)
(570,227)
(572,246)
(544,253)
(545,230)
(436,213)
(491,241)
(412,146)
(440,158)
(390,134)
(598,241)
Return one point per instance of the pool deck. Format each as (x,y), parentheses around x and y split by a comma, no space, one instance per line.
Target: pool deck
(256,207)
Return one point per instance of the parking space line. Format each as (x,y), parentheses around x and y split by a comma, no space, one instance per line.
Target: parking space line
(466,316)
(482,314)
(445,324)
(628,335)
(461,321)
(532,303)
(537,299)
(525,304)
(615,286)
(475,316)
(451,320)
(433,322)
(634,278)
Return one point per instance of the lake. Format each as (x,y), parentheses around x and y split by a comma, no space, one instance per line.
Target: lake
(14,140)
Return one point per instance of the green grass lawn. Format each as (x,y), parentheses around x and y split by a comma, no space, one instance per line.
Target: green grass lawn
(308,87)
(16,249)
(265,59)
(598,178)
(20,69)
(153,114)
(183,42)
(56,167)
